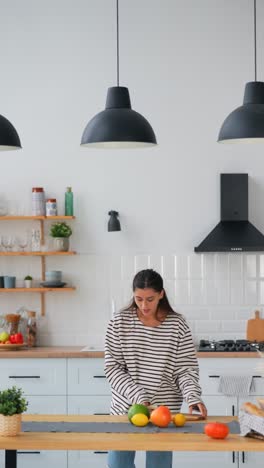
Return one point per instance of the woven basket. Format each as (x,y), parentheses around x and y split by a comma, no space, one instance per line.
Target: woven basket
(10,425)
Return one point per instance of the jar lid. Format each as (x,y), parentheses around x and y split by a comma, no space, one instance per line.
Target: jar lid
(13,318)
(52,200)
(37,189)
(31,313)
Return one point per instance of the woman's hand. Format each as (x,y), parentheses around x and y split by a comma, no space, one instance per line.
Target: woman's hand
(146,403)
(198,407)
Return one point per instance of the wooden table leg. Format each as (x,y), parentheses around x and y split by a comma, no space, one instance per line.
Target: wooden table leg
(10,459)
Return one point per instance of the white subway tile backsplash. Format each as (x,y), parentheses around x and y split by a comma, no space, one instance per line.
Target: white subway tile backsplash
(250,265)
(196,292)
(210,292)
(128,267)
(223,292)
(236,266)
(196,266)
(141,262)
(182,266)
(222,266)
(251,296)
(237,292)
(168,267)
(182,292)
(217,293)
(207,326)
(236,326)
(209,264)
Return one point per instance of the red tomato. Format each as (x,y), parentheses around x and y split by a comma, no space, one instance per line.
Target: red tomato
(12,339)
(216,430)
(161,416)
(18,338)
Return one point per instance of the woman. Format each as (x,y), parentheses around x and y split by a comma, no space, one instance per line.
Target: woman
(150,359)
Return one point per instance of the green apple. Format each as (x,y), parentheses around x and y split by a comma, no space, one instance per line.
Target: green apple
(4,336)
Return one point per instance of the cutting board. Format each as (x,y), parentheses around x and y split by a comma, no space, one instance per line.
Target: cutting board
(255,328)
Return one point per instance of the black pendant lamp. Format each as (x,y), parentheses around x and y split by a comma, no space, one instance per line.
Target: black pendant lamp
(246,123)
(118,126)
(9,139)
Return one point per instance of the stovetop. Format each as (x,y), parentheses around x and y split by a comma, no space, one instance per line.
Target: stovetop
(230,346)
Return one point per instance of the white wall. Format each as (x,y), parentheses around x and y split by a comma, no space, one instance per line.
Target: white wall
(186,64)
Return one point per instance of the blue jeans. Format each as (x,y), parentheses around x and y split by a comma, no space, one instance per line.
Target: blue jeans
(126,459)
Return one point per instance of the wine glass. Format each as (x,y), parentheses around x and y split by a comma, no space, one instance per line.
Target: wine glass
(22,242)
(5,242)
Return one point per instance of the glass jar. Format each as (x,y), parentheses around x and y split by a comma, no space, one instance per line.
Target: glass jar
(51,207)
(12,323)
(31,330)
(35,240)
(38,201)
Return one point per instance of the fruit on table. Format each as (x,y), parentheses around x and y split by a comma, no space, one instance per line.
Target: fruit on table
(4,336)
(139,419)
(138,409)
(179,419)
(216,430)
(161,416)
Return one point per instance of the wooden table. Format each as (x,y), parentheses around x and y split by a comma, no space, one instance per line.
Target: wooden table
(118,441)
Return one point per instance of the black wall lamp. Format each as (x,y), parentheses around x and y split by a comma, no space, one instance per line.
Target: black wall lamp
(118,126)
(246,123)
(113,223)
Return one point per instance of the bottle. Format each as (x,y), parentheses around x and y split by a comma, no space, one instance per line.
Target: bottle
(68,202)
(35,240)
(51,207)
(31,330)
(38,201)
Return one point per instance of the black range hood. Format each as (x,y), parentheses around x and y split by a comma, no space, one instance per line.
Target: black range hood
(234,233)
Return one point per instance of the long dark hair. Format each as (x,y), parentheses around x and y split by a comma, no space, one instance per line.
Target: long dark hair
(150,279)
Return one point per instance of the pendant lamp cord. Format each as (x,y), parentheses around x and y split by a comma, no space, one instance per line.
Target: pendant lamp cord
(255,38)
(117,42)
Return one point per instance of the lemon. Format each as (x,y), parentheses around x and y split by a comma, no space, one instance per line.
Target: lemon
(179,419)
(139,419)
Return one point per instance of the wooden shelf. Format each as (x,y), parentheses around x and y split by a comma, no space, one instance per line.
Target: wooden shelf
(38,290)
(38,254)
(10,218)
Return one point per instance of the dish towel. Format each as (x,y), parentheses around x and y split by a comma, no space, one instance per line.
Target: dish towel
(237,385)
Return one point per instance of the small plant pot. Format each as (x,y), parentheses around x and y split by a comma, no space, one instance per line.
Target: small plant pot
(28,283)
(10,426)
(61,244)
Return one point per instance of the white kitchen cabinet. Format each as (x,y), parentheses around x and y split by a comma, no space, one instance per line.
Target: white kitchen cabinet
(86,377)
(44,384)
(203,459)
(89,404)
(34,376)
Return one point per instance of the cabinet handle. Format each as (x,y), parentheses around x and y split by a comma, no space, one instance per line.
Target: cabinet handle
(218,376)
(102,414)
(233,457)
(243,457)
(98,452)
(99,376)
(24,376)
(28,453)
(233,410)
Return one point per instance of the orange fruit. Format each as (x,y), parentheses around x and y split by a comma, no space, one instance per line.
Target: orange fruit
(179,419)
(161,416)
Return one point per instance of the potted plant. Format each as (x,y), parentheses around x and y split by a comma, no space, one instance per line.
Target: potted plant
(12,405)
(28,281)
(61,233)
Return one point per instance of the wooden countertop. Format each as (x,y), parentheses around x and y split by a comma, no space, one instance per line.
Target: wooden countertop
(76,352)
(119,441)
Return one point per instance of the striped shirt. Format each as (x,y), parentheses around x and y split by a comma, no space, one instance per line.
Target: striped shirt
(154,364)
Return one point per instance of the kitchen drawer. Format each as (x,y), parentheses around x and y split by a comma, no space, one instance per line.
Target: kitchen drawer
(98,458)
(86,377)
(42,404)
(212,369)
(86,404)
(34,376)
(38,458)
